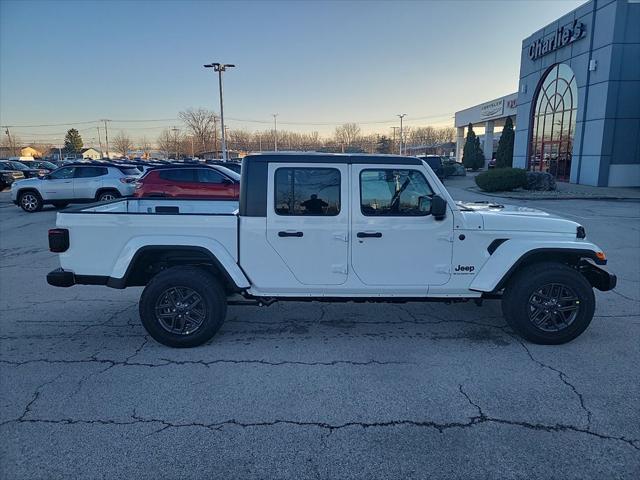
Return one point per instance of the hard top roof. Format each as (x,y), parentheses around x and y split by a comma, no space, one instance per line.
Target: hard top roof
(318,157)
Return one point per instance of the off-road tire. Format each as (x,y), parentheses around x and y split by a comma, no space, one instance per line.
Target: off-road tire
(30,201)
(206,286)
(521,286)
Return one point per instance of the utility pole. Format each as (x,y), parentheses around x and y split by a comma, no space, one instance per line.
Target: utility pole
(401,137)
(221,67)
(99,140)
(11,147)
(106,136)
(394,134)
(175,138)
(275,132)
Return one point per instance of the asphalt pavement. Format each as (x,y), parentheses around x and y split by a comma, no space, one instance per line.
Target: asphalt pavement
(309,390)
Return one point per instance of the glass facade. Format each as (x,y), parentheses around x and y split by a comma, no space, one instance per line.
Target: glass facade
(554,122)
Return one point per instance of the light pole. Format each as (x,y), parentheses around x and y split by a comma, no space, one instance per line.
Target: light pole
(221,67)
(175,139)
(401,138)
(275,132)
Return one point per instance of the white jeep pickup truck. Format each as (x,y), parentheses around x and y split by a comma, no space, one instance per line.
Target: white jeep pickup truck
(325,227)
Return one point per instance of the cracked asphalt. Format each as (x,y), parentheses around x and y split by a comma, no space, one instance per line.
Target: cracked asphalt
(308,390)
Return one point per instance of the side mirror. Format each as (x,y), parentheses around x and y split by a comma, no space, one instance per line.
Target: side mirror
(438,207)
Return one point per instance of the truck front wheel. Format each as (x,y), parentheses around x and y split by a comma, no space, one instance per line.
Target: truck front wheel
(548,303)
(183,306)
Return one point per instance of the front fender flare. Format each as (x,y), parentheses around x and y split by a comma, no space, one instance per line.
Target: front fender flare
(513,253)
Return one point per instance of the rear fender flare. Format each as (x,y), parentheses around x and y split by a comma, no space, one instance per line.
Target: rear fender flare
(220,255)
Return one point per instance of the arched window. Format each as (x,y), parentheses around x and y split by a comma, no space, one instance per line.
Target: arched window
(554,122)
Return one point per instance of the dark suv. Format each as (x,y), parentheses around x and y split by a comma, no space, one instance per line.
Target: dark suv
(435,162)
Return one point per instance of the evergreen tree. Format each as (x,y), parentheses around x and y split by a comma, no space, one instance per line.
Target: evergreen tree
(470,150)
(383,145)
(479,156)
(72,141)
(504,155)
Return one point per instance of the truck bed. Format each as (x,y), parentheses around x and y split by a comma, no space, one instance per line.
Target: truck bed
(104,238)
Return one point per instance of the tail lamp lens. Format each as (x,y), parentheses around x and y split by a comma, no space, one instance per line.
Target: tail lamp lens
(58,240)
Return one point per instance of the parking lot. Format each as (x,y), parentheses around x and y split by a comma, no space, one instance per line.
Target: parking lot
(309,390)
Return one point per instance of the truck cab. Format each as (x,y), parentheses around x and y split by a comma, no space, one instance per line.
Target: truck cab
(330,227)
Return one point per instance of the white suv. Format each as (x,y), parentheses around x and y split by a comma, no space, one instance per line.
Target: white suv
(77,183)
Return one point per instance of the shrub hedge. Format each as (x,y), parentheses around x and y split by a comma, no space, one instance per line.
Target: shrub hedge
(502,179)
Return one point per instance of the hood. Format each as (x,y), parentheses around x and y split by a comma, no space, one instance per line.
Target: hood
(26,182)
(496,216)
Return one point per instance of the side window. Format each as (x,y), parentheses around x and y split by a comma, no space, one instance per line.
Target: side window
(388,192)
(209,175)
(307,191)
(179,175)
(90,172)
(62,173)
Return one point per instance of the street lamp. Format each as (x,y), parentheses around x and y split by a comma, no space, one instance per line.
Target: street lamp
(221,67)
(401,137)
(275,132)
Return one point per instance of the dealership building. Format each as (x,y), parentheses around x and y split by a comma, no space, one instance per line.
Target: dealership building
(577,109)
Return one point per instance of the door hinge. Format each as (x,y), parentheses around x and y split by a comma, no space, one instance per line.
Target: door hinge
(341,236)
(339,268)
(443,268)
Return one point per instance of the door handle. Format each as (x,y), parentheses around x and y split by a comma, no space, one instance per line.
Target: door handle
(290,234)
(369,235)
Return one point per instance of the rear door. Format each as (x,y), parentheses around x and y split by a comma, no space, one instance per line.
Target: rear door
(87,180)
(308,220)
(58,185)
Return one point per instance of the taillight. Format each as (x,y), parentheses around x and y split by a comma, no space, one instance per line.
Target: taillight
(128,179)
(58,240)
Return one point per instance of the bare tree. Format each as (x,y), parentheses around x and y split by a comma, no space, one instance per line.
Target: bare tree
(202,124)
(122,143)
(173,143)
(347,134)
(12,143)
(145,147)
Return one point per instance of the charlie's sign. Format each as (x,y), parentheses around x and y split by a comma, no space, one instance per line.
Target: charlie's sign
(563,37)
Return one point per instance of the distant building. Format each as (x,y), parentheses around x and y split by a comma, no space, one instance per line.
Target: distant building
(91,153)
(30,152)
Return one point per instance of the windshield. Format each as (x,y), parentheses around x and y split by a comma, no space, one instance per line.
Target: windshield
(229,173)
(48,165)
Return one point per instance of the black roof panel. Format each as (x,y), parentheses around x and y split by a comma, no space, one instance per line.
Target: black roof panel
(348,158)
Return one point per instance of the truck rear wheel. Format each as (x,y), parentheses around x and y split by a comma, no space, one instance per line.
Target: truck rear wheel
(548,303)
(183,306)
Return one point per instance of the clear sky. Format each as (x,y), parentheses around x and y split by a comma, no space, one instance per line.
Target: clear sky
(309,61)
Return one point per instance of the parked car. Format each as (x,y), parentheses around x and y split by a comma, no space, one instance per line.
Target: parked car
(332,228)
(27,171)
(235,166)
(453,169)
(189,181)
(435,162)
(40,165)
(492,163)
(75,183)
(8,175)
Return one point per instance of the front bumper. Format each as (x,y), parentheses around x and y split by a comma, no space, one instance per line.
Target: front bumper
(598,277)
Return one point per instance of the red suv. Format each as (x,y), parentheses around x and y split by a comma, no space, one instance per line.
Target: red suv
(194,181)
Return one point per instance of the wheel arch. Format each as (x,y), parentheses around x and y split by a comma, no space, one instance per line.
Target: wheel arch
(102,190)
(500,267)
(149,260)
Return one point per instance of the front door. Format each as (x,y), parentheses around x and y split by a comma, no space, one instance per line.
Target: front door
(395,240)
(58,185)
(308,220)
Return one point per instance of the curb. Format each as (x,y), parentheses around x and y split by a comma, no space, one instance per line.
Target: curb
(567,197)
